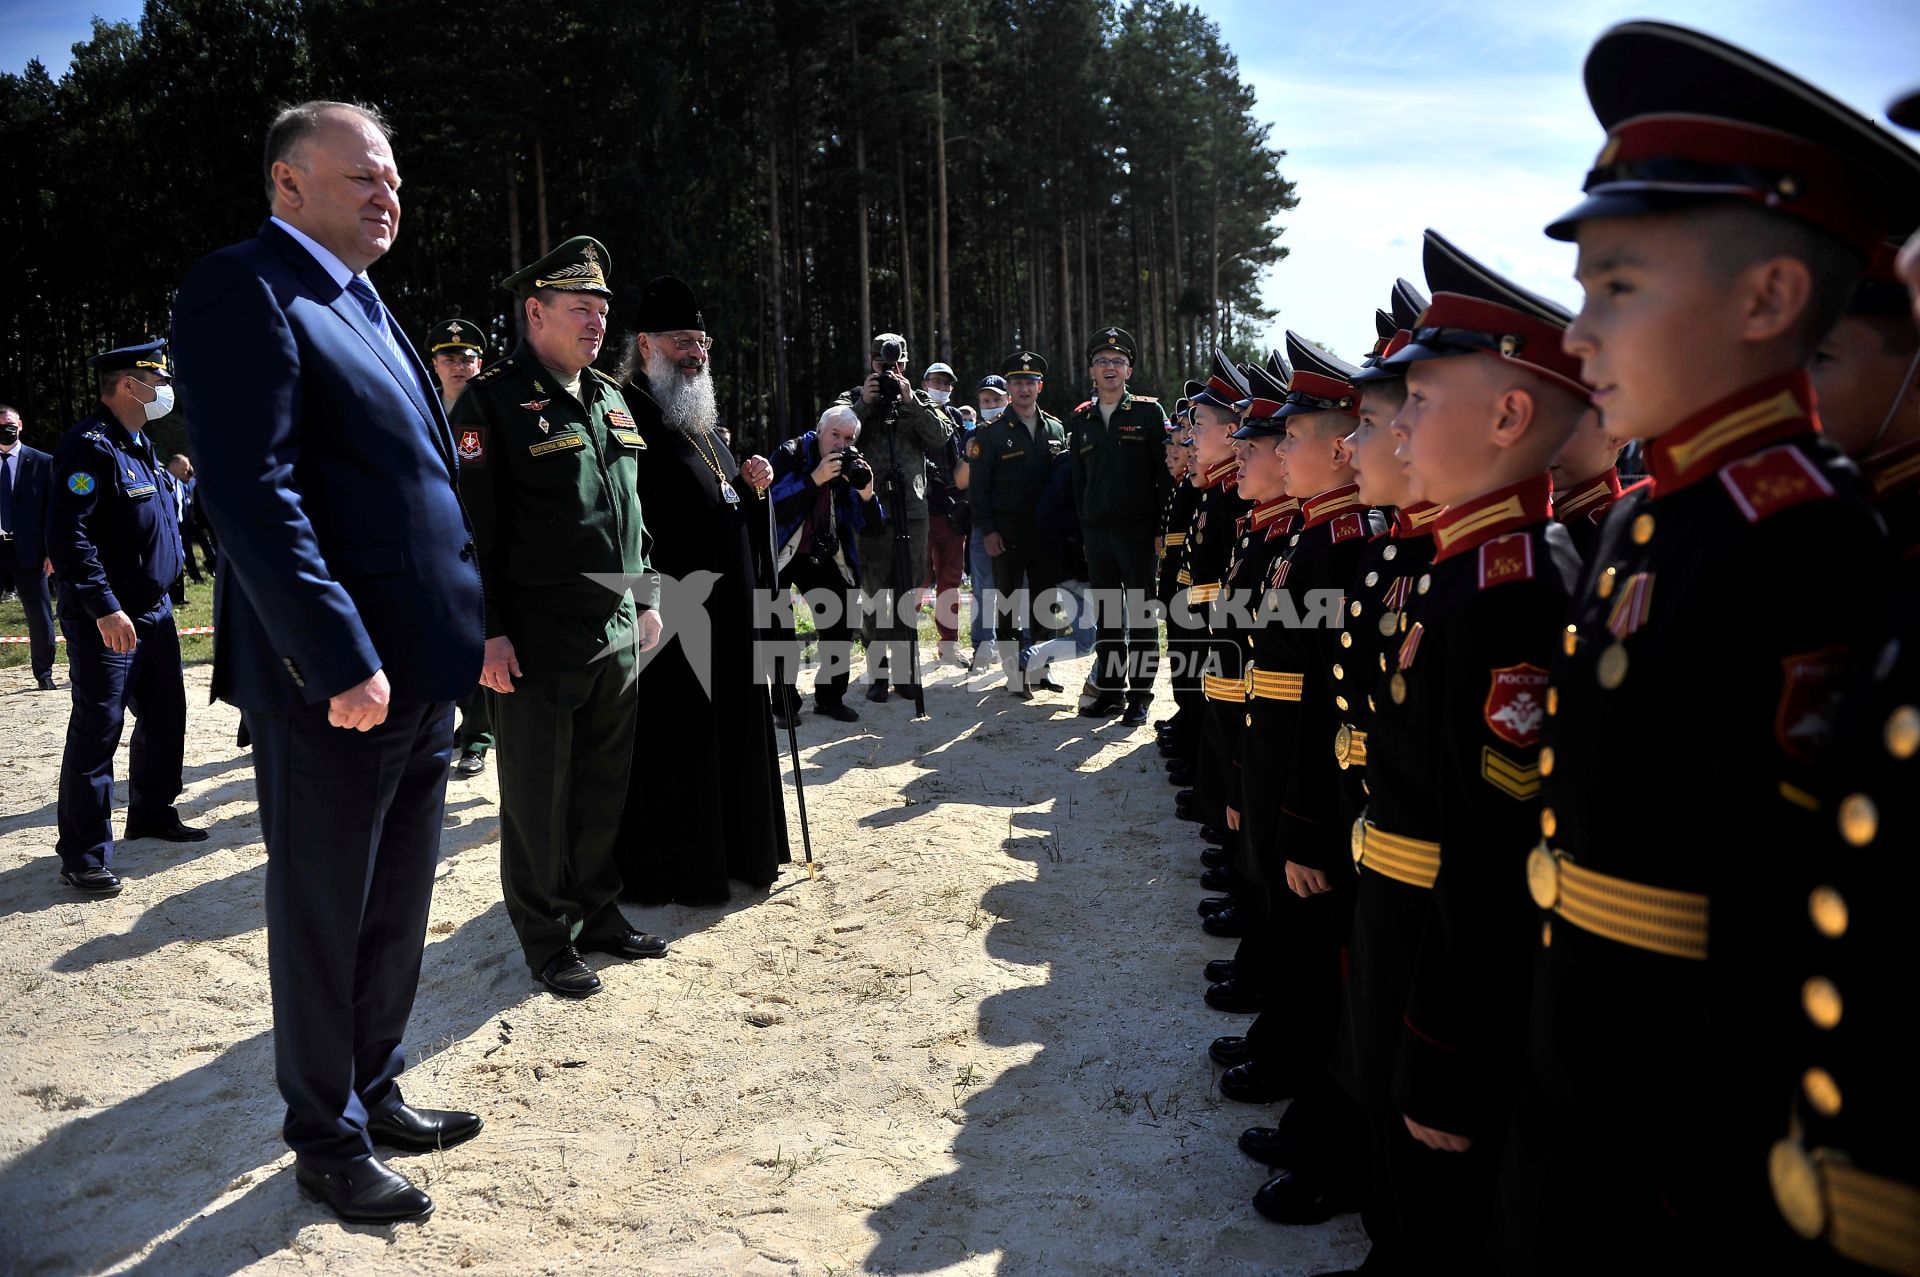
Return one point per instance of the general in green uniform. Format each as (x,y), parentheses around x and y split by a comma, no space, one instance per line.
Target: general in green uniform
(1010,460)
(1119,470)
(549,472)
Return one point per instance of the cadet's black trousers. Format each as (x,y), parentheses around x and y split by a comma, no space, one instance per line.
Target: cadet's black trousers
(352,827)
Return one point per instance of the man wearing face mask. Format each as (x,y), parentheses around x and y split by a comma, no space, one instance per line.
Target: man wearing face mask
(114,539)
(23,556)
(948,515)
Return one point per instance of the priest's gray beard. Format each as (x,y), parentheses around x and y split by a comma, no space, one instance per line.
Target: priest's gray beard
(686,403)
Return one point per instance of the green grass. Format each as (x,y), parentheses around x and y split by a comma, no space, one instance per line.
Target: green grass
(198,610)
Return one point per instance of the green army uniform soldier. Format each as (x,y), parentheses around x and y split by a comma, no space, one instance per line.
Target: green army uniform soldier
(549,465)
(455,349)
(1119,470)
(1009,462)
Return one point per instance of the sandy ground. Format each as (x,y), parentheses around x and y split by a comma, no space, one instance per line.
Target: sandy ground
(974,1044)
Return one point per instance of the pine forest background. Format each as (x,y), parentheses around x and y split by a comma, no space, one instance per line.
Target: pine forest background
(997,173)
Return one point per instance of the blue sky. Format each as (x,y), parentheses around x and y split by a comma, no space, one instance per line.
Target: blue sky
(1467,117)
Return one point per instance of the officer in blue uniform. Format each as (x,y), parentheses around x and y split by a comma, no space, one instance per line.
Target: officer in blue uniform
(115,543)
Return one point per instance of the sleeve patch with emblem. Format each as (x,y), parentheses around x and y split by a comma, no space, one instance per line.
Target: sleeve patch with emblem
(1348,526)
(80,483)
(472,444)
(1774,480)
(973,449)
(1516,705)
(1505,559)
(1512,778)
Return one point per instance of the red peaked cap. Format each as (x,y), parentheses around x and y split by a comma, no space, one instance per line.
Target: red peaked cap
(1476,310)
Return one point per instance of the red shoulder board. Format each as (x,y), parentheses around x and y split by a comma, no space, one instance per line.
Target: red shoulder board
(1505,559)
(1348,526)
(1083,407)
(1774,480)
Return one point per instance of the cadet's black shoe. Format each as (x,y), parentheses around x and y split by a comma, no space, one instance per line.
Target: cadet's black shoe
(838,710)
(876,692)
(1301,1197)
(1221,969)
(1045,684)
(628,944)
(1181,773)
(1230,1051)
(1136,714)
(423,1130)
(568,976)
(781,722)
(1218,880)
(366,1192)
(904,691)
(1215,857)
(44,682)
(1255,1083)
(1172,747)
(1215,835)
(1235,997)
(1269,1146)
(1227,923)
(168,830)
(1213,905)
(470,765)
(1103,705)
(92,882)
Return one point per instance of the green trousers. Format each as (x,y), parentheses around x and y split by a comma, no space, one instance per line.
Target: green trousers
(564,751)
(1126,651)
(475,733)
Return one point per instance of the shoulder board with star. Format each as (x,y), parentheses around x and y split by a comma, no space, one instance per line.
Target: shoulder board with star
(492,370)
(1507,559)
(97,435)
(603,377)
(1773,480)
(1146,399)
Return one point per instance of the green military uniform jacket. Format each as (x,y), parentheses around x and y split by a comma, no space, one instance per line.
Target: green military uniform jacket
(1119,464)
(1008,471)
(551,485)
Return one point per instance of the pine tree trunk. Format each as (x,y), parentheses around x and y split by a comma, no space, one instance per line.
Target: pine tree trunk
(866,266)
(906,241)
(1067,347)
(513,213)
(780,418)
(933,273)
(940,166)
(540,195)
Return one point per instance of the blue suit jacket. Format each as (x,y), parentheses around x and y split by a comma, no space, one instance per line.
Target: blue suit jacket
(31,467)
(327,470)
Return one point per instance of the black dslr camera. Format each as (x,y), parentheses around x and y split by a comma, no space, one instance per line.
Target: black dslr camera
(855,468)
(888,352)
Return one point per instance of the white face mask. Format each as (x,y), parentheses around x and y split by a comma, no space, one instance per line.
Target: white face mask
(939,396)
(989,414)
(162,403)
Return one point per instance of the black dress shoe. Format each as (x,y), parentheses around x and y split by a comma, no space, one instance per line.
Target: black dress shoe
(1046,684)
(100,883)
(366,1192)
(1181,773)
(168,830)
(423,1130)
(1216,857)
(1218,880)
(1230,1051)
(1135,715)
(628,944)
(1236,997)
(1228,923)
(470,765)
(1173,749)
(781,723)
(45,682)
(1301,1197)
(1270,1147)
(876,692)
(1255,1083)
(1212,905)
(1221,969)
(838,710)
(1215,835)
(1103,705)
(568,976)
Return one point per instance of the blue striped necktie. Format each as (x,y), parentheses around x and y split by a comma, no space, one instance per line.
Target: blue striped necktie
(376,311)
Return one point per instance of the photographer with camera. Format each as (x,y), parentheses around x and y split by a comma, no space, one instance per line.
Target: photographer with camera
(823,500)
(900,427)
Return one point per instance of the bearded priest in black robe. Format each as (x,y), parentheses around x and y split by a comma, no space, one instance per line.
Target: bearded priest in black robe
(704,804)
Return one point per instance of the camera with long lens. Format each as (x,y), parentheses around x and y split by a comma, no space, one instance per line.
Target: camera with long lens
(887,354)
(854,468)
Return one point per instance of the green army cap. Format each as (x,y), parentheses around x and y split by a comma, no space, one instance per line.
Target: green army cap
(578,266)
(1114,339)
(1024,363)
(458,336)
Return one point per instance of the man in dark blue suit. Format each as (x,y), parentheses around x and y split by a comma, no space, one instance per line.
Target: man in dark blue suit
(348,619)
(23,546)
